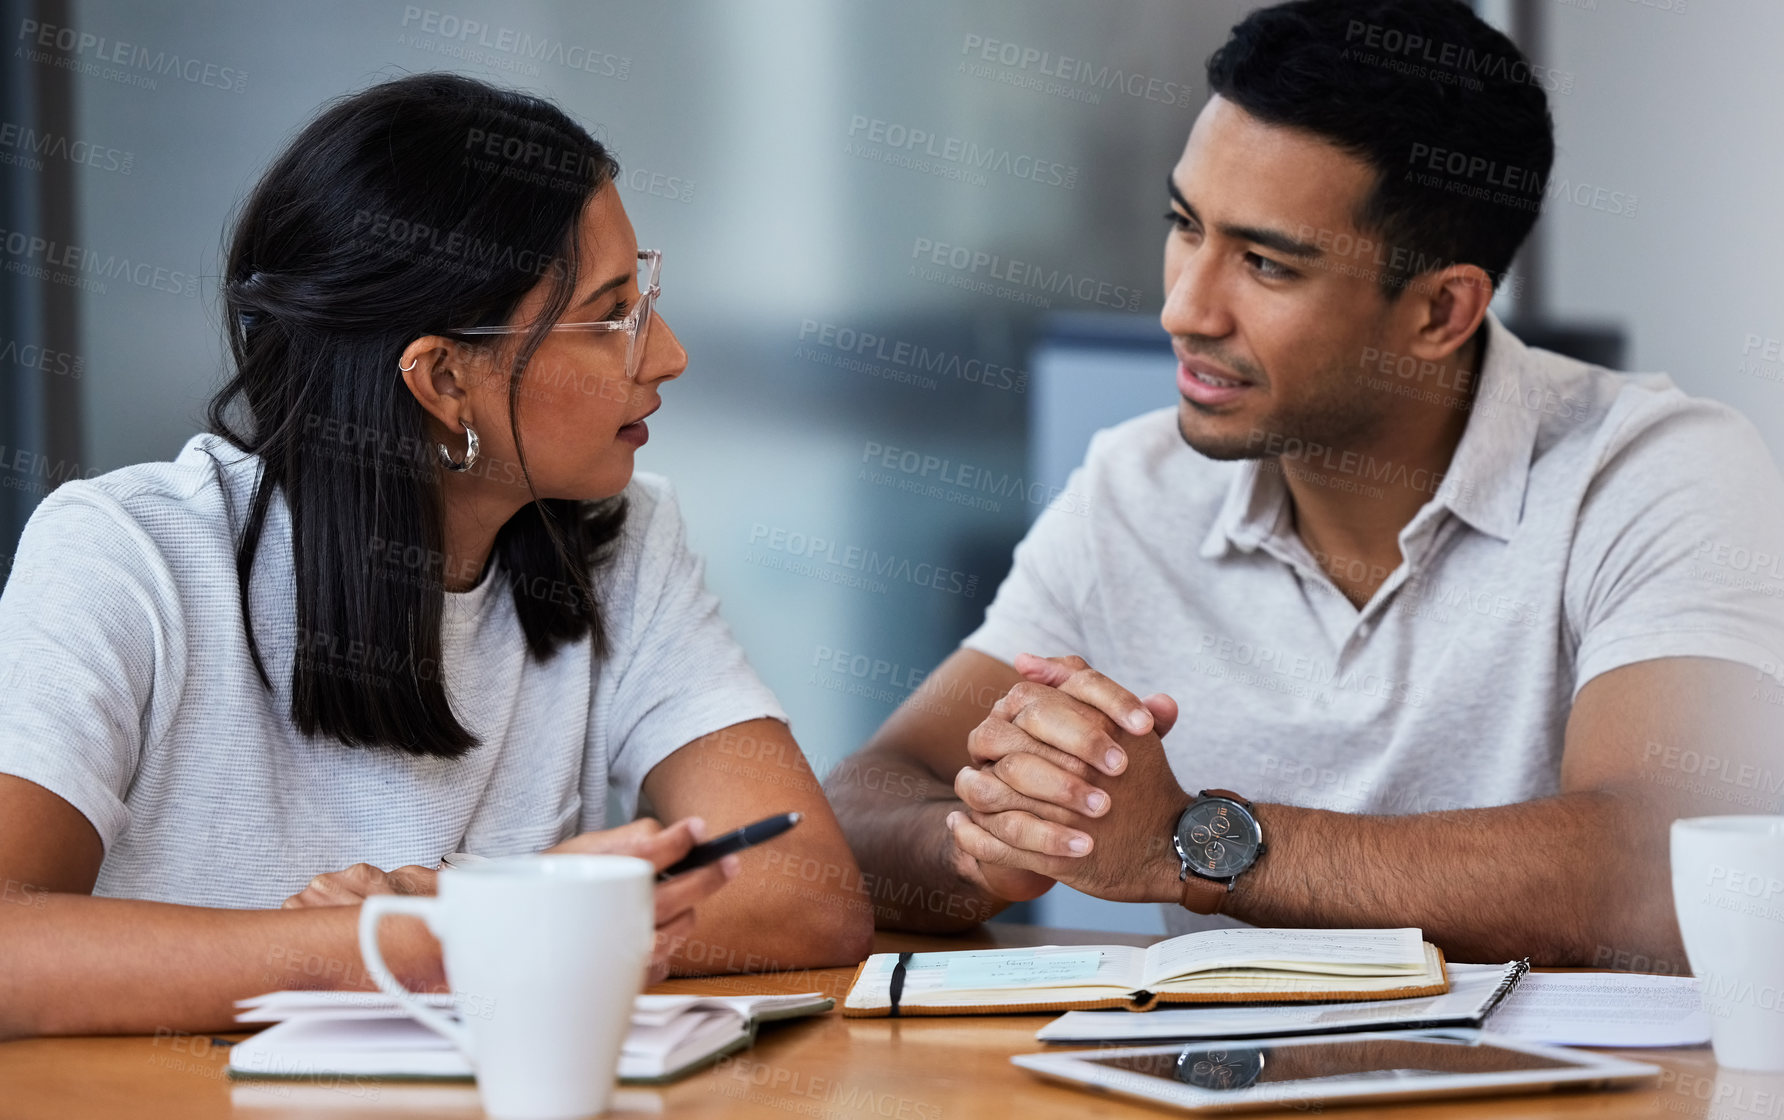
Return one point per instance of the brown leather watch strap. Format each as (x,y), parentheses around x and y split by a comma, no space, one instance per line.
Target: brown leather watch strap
(1206,896)
(1203,896)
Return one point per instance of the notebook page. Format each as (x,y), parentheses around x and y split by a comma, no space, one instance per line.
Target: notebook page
(649,1045)
(1367,952)
(964,977)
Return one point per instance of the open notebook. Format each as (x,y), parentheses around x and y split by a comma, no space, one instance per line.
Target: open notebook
(365,1034)
(1244,965)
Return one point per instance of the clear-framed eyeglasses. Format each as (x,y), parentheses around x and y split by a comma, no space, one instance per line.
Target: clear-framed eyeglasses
(636,322)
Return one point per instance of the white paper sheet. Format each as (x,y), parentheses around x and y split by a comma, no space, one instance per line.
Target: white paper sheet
(1603,1009)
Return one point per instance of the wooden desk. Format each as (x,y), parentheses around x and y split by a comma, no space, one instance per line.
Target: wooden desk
(829,1068)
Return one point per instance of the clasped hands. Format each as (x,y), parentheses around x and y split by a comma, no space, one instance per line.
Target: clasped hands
(1069,783)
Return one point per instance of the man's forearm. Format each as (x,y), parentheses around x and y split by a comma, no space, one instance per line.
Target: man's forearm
(81,965)
(894,812)
(1567,880)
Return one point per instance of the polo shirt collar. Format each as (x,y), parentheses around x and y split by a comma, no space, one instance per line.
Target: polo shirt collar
(1487,475)
(1490,471)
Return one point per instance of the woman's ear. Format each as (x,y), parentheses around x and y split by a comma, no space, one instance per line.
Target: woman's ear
(438,372)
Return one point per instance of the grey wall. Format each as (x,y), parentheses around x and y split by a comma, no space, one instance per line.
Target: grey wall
(1675,103)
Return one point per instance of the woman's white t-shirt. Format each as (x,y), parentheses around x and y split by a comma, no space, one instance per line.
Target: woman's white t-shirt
(126,688)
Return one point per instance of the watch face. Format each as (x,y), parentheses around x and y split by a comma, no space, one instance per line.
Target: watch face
(1220,1069)
(1219,837)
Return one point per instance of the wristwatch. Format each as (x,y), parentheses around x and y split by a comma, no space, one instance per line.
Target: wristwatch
(1217,839)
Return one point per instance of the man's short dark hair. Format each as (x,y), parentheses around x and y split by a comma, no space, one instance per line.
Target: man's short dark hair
(1449,113)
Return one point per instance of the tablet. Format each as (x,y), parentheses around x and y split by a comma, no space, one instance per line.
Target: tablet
(1312,1071)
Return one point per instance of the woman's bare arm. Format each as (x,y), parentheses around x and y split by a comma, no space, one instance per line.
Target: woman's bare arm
(799,901)
(73,964)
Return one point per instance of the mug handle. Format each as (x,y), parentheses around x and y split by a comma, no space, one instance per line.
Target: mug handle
(371,912)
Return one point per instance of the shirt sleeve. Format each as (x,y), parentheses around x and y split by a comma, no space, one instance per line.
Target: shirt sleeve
(679,672)
(1679,548)
(1039,606)
(92,634)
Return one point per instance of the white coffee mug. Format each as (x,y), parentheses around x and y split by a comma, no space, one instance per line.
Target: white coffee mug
(1728,889)
(544,955)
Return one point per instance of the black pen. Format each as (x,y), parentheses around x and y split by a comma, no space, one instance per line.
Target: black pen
(716,849)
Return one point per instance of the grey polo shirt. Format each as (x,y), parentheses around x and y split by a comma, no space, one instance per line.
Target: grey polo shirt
(1589,520)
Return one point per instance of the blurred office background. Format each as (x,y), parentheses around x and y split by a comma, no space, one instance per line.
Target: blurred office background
(856,317)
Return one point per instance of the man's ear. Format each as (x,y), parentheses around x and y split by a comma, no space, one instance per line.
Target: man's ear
(1444,309)
(438,373)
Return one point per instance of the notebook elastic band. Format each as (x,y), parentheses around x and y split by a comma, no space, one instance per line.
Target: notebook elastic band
(897,991)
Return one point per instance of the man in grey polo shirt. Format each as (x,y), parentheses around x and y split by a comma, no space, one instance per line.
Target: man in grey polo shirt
(1453,626)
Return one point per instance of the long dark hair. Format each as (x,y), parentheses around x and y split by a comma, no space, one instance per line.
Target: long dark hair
(421,204)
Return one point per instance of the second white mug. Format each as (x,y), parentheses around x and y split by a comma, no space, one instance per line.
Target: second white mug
(1728,889)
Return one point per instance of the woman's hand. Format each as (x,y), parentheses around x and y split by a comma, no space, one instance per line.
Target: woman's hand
(359,882)
(646,839)
(662,846)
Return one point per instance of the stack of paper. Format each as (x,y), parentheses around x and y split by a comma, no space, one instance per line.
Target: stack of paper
(1563,1008)
(366,1034)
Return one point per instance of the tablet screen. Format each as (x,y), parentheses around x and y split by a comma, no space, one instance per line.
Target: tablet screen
(1229,1067)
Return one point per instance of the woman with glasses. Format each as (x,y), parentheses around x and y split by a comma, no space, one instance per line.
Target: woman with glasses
(406,602)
